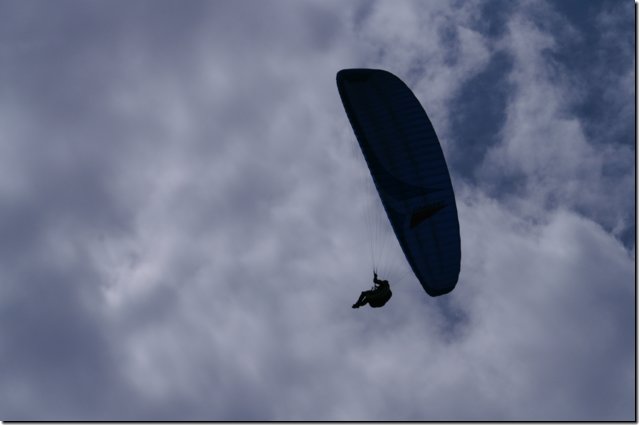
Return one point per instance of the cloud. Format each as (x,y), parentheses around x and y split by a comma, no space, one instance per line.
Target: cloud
(181,214)
(561,311)
(546,156)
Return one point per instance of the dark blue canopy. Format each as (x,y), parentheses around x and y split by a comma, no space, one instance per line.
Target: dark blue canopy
(408,168)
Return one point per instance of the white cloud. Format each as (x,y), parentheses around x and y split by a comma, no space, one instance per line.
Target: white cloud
(214,244)
(544,147)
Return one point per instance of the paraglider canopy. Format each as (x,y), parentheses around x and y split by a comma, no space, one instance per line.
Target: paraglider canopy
(409,171)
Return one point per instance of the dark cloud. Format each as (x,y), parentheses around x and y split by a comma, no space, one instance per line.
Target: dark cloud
(181,227)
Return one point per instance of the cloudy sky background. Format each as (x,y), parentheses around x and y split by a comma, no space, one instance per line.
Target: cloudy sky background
(181,218)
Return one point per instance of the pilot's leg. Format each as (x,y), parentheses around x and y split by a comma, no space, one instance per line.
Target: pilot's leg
(362,300)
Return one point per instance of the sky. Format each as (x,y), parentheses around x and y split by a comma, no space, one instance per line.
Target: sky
(182,228)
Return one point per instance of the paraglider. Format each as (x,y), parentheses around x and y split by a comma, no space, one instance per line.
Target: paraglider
(409,171)
(379,294)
